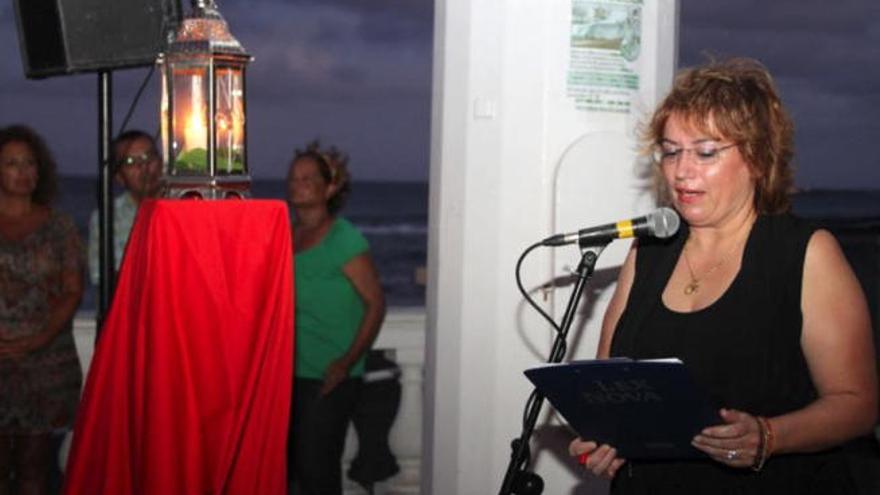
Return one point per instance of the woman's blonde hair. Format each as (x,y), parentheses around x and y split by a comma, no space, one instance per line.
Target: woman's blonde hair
(735,99)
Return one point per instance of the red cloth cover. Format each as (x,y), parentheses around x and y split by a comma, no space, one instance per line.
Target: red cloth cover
(189,388)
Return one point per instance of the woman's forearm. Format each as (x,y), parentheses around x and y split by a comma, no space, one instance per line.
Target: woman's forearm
(827,422)
(374,314)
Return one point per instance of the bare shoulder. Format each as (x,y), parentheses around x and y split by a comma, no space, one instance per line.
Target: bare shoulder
(823,243)
(627,275)
(824,260)
(831,295)
(836,338)
(618,302)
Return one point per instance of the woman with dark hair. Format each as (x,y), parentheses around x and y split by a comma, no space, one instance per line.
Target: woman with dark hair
(41,265)
(763,308)
(339,309)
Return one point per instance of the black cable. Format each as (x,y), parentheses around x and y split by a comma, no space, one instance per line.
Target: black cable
(523,291)
(533,304)
(526,458)
(137,97)
(517,480)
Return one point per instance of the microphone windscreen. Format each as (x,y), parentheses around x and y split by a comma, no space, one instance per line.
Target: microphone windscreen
(664,222)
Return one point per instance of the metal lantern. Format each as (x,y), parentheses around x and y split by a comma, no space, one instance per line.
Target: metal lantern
(204,127)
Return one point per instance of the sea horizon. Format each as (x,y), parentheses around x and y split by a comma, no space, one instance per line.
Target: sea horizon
(797,190)
(393,215)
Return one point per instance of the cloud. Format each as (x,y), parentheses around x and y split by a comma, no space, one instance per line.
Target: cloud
(377,23)
(835,46)
(356,73)
(746,16)
(404,19)
(823,57)
(332,50)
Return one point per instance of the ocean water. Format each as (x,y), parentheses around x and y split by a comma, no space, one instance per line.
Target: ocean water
(392,216)
(861,206)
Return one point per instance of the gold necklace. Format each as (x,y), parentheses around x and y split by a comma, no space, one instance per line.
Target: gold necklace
(694,285)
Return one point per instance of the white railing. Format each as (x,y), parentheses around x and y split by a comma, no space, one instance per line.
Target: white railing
(403,333)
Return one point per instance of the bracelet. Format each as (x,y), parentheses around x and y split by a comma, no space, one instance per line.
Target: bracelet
(765,443)
(768,428)
(758,463)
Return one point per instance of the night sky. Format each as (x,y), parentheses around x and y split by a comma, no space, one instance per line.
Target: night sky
(358,74)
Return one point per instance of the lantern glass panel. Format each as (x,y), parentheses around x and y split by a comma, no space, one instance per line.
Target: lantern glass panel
(229,120)
(164,122)
(190,105)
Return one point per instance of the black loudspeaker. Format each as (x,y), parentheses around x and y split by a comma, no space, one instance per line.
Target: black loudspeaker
(69,36)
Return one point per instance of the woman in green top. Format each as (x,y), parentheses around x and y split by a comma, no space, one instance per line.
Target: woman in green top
(339,309)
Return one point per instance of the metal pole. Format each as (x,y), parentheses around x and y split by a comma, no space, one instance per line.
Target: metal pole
(106,258)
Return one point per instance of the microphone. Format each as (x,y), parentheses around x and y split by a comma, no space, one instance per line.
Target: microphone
(660,223)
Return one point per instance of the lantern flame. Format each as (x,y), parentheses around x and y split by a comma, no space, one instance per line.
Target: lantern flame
(196,130)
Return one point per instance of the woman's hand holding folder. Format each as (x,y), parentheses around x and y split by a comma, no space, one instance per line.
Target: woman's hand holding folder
(601,460)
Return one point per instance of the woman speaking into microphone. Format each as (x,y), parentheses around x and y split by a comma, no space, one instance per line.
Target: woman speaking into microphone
(763,309)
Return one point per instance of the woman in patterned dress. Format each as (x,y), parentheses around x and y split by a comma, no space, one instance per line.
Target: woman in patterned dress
(41,267)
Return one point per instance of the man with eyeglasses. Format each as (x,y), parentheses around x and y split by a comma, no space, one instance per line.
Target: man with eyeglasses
(137,167)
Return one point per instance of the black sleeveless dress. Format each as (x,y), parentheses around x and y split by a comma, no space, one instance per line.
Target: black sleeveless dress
(744,350)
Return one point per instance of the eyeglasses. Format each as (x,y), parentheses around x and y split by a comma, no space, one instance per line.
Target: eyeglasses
(20,163)
(136,160)
(704,154)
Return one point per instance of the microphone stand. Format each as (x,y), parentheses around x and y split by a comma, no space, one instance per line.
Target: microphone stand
(518,480)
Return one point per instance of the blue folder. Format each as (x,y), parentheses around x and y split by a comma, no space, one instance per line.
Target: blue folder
(647,409)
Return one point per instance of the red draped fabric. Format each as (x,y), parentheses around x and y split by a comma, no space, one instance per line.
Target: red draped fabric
(189,388)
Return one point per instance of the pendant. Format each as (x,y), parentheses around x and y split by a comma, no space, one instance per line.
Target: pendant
(692,287)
